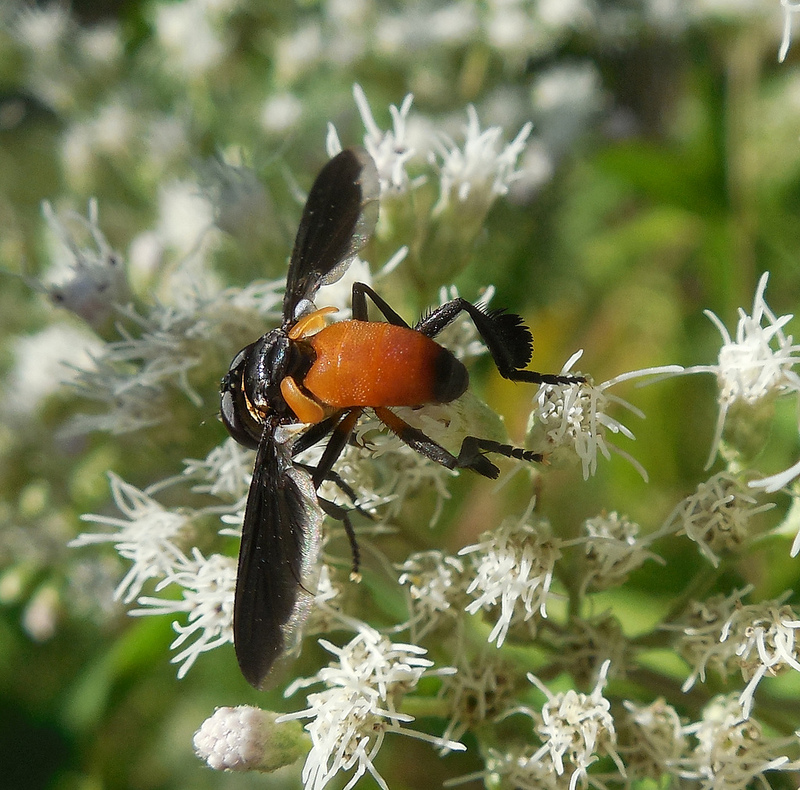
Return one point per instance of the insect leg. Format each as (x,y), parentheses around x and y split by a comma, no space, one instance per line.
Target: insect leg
(342,514)
(316,433)
(424,445)
(339,438)
(342,485)
(472,448)
(324,471)
(360,294)
(508,339)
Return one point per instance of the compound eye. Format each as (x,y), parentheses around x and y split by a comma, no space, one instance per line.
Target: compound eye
(234,407)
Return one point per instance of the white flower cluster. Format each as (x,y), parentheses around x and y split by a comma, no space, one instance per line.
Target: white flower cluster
(724,750)
(570,420)
(134,376)
(360,704)
(507,578)
(247,739)
(576,728)
(731,748)
(435,581)
(148,537)
(613,550)
(478,172)
(652,739)
(513,569)
(481,691)
(754,366)
(479,167)
(208,585)
(95,279)
(153,540)
(391,151)
(759,639)
(159,348)
(717,516)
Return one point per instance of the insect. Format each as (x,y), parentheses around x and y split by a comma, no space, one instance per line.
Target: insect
(326,376)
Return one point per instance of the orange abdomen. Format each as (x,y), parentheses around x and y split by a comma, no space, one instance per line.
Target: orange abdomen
(365,363)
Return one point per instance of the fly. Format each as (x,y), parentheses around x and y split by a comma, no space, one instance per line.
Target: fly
(326,375)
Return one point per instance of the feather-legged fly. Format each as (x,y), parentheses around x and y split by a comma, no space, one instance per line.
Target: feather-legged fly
(325,376)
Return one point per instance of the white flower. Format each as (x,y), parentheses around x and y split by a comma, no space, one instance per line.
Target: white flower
(185,216)
(571,419)
(577,728)
(148,536)
(247,739)
(225,472)
(133,374)
(731,749)
(483,689)
(45,35)
(775,483)
(45,361)
(759,639)
(102,44)
(113,129)
(717,516)
(568,14)
(435,583)
(350,717)
(764,638)
(513,567)
(192,41)
(754,367)
(43,29)
(655,739)
(280,113)
(565,96)
(207,600)
(95,283)
(297,52)
(389,150)
(575,84)
(701,627)
(41,613)
(520,769)
(241,204)
(613,550)
(113,133)
(479,172)
(419,27)
(511,28)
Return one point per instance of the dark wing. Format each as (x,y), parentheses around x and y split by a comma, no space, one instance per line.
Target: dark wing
(280,537)
(338,219)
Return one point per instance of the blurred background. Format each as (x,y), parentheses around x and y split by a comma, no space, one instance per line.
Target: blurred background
(661,178)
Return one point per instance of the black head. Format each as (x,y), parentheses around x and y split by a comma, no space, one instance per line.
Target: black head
(250,392)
